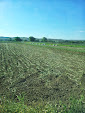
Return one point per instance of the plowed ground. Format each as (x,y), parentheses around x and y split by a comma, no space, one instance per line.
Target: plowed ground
(42,74)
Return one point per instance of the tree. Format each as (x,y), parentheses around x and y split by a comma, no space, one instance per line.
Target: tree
(10,39)
(37,40)
(31,38)
(44,39)
(18,39)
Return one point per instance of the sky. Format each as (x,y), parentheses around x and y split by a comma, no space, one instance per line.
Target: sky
(57,19)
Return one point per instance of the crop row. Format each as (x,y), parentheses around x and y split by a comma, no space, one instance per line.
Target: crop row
(43,73)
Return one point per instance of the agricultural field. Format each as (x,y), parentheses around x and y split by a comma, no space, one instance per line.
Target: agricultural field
(43,75)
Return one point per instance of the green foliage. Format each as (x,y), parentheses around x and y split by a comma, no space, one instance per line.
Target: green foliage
(8,106)
(44,39)
(37,40)
(10,39)
(31,38)
(18,39)
(74,106)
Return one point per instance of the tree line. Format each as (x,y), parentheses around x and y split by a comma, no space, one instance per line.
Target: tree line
(43,39)
(31,39)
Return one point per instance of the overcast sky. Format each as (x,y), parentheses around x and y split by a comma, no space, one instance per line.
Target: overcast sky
(58,19)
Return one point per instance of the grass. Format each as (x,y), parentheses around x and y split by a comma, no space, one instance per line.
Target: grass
(46,75)
(78,48)
(72,45)
(74,106)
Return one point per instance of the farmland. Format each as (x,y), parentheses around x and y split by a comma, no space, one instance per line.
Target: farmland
(43,74)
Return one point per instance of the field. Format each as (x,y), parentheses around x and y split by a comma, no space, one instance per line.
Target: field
(41,74)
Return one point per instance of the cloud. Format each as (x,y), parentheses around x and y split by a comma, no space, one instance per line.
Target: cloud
(81,31)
